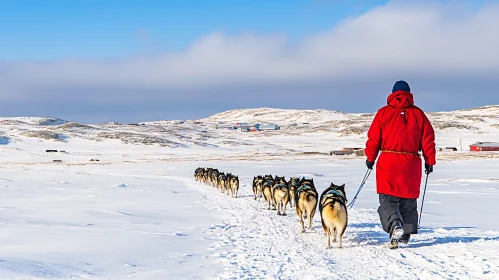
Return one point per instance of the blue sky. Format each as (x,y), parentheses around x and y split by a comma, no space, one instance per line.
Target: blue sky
(96,61)
(55,29)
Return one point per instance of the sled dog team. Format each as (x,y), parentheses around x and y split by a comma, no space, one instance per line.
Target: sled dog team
(302,194)
(226,182)
(297,192)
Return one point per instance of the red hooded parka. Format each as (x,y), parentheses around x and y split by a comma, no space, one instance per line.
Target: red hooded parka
(400,131)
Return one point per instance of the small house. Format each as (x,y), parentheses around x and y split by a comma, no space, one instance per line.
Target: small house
(341,153)
(484,146)
(269,126)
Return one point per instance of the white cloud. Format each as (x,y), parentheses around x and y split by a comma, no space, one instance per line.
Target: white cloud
(421,39)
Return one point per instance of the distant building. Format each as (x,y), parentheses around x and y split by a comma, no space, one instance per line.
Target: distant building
(341,153)
(245,127)
(255,127)
(484,146)
(269,126)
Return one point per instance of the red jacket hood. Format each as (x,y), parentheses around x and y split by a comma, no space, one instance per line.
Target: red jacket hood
(400,99)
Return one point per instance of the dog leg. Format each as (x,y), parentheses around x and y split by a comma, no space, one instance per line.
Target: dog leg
(328,239)
(340,236)
(334,234)
(300,216)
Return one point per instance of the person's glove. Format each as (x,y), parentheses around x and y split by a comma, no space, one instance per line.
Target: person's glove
(369,164)
(428,168)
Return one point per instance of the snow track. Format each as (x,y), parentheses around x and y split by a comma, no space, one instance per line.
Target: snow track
(256,243)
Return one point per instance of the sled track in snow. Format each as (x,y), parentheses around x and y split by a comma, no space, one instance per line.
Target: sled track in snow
(256,243)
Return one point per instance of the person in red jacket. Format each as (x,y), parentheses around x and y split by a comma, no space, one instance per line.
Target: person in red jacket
(400,131)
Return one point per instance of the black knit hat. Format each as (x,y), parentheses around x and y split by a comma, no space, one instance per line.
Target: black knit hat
(401,85)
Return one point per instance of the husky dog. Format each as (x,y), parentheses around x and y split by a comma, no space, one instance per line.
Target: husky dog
(257,187)
(334,214)
(280,193)
(221,182)
(214,175)
(198,174)
(306,201)
(233,185)
(207,175)
(292,184)
(268,182)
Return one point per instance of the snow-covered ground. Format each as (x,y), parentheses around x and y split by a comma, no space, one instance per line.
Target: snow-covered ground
(138,213)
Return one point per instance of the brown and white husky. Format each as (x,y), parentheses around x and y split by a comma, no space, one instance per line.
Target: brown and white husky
(334,214)
(306,201)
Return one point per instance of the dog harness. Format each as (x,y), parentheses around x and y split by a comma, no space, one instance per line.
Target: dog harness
(335,195)
(279,186)
(331,192)
(303,188)
(268,183)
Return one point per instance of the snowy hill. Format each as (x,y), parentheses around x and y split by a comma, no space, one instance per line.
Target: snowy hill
(329,130)
(303,134)
(264,115)
(120,201)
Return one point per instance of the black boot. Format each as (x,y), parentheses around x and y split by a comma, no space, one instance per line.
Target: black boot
(404,239)
(396,232)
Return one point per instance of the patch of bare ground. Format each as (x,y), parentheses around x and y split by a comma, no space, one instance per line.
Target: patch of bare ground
(74,126)
(13,122)
(454,156)
(353,130)
(440,125)
(45,134)
(137,138)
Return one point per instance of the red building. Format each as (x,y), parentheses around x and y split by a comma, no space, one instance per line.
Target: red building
(484,146)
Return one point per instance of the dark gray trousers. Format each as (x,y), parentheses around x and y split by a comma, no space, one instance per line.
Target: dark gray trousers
(393,208)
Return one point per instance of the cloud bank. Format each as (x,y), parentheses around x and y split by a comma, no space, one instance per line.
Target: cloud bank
(449,53)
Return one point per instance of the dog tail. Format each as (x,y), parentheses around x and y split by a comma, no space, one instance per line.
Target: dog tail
(311,197)
(282,194)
